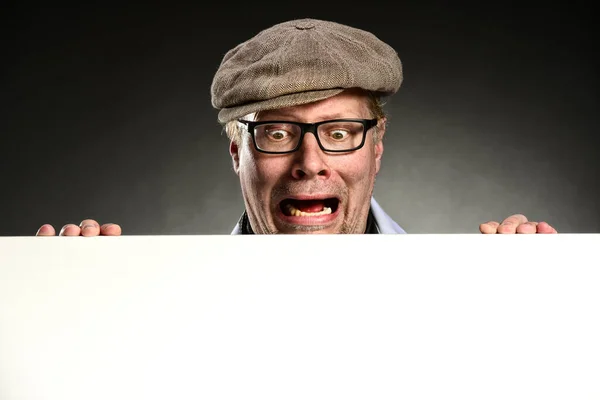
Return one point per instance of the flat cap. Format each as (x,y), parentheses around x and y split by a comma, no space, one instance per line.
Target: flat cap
(302,61)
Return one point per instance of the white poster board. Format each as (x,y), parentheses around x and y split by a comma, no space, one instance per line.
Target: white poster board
(300,317)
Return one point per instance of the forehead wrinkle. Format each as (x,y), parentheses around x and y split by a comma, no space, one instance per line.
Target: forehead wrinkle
(345,105)
(302,116)
(296,118)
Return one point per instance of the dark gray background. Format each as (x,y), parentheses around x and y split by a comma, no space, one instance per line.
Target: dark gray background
(106,114)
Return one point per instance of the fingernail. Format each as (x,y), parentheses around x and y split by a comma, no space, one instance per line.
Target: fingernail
(88,226)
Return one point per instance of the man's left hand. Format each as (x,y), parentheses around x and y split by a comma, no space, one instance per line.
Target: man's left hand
(516,223)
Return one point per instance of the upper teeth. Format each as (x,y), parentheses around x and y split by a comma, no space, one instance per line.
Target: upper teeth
(295,212)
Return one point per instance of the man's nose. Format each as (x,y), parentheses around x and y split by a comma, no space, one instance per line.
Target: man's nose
(310,161)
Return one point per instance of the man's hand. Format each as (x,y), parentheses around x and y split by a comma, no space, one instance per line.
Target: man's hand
(516,223)
(87,227)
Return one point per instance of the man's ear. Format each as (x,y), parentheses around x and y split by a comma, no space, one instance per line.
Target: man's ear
(234,150)
(381,124)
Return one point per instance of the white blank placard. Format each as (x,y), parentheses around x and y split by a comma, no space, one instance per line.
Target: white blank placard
(300,317)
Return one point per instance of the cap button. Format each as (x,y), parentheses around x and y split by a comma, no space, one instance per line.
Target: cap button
(302,25)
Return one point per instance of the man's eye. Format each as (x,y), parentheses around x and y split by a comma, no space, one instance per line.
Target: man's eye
(278,135)
(338,135)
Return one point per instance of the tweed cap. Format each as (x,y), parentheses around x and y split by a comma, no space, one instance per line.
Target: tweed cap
(302,61)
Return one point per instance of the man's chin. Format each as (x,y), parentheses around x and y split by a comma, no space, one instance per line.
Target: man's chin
(306,230)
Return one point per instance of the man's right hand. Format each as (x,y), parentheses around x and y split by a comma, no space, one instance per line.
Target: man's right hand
(87,227)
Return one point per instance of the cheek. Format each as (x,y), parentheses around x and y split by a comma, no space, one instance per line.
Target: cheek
(258,172)
(358,169)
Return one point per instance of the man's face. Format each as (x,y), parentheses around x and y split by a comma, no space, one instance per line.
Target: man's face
(332,190)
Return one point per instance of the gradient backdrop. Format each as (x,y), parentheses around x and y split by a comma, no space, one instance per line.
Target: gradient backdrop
(106,114)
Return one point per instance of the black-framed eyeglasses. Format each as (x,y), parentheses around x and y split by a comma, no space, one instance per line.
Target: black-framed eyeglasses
(336,135)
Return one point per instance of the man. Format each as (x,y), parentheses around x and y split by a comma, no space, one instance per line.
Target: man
(302,105)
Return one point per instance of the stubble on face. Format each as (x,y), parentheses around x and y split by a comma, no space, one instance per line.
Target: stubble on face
(266,180)
(353,215)
(262,211)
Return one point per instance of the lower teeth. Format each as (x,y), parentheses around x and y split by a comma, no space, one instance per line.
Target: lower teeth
(297,213)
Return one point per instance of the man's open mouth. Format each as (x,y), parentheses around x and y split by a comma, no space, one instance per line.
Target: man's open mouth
(309,208)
